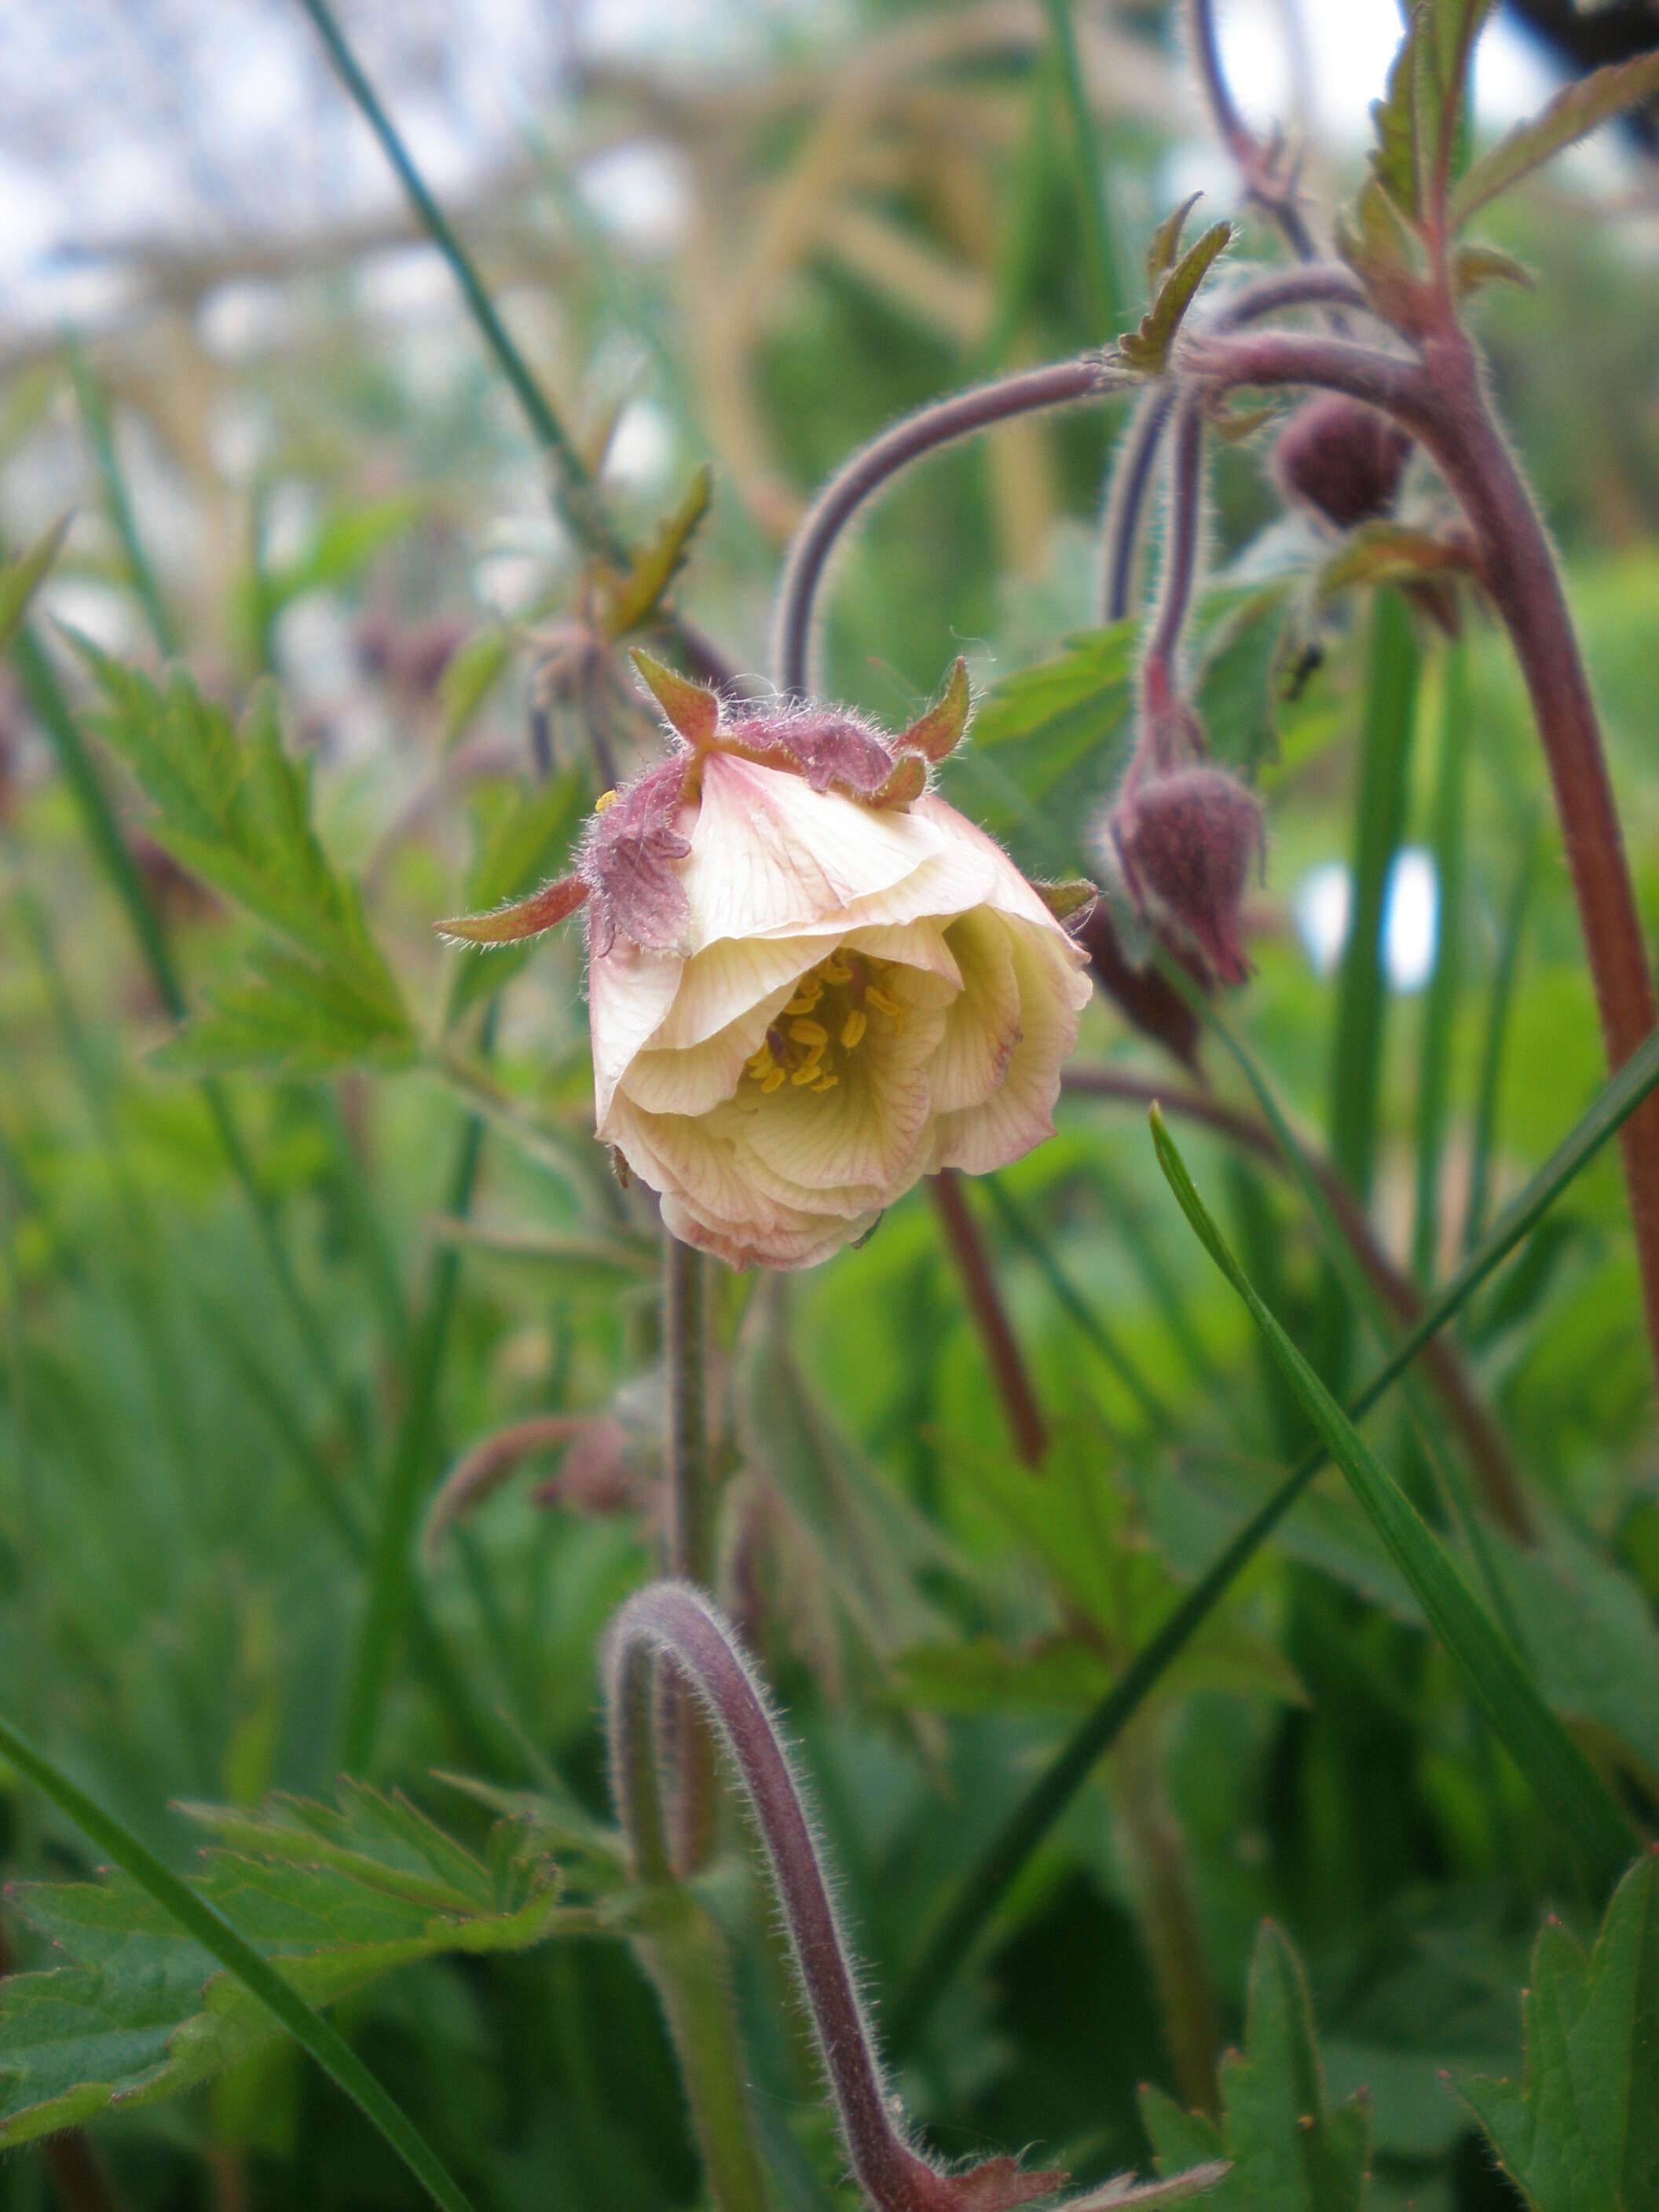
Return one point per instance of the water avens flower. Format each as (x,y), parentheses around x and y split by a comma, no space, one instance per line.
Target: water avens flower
(810,982)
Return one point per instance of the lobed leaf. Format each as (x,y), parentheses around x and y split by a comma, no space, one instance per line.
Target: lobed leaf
(1581,2134)
(235,809)
(1571,115)
(1290,2151)
(1147,348)
(334,1896)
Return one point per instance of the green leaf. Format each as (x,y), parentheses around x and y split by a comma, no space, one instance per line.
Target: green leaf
(342,546)
(1557,1770)
(1290,2150)
(469,678)
(332,1896)
(234,810)
(21,579)
(1164,243)
(635,597)
(1417,120)
(1571,115)
(1147,348)
(1583,2134)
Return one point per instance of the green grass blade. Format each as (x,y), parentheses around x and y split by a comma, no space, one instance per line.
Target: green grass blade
(1055,1789)
(1557,1770)
(1379,819)
(101,436)
(1107,302)
(1440,1001)
(215,1934)
(1499,1005)
(21,578)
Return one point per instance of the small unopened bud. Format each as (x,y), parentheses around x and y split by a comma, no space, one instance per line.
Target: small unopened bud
(1186,844)
(1343,459)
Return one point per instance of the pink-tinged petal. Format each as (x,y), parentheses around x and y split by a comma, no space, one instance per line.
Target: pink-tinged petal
(629,993)
(1018,1113)
(802,1247)
(982,1023)
(957,877)
(931,976)
(842,1202)
(1010,892)
(770,856)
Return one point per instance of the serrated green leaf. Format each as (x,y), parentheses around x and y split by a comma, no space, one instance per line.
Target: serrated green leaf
(19,578)
(1571,115)
(1290,2151)
(235,809)
(1557,1770)
(334,1896)
(1582,2135)
(633,598)
(1417,120)
(1375,238)
(1165,241)
(1147,348)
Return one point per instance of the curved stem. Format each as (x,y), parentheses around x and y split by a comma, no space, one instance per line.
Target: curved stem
(1087,377)
(1316,284)
(1274,196)
(1441,401)
(1157,667)
(672,1625)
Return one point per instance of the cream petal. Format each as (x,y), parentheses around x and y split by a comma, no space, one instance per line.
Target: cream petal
(861,1133)
(694,1079)
(629,991)
(769,855)
(932,977)
(1018,1113)
(1009,892)
(725,981)
(777,1246)
(982,1023)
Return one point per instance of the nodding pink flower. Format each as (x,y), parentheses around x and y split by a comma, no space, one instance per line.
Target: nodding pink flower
(1342,459)
(810,982)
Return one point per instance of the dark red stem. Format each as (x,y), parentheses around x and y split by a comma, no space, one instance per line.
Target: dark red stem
(1440,399)
(674,1626)
(1002,1352)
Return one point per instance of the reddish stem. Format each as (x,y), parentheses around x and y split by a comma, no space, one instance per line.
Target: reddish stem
(1013,1384)
(1441,400)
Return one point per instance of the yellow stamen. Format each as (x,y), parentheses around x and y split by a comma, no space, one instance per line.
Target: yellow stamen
(826,1083)
(606,800)
(853,1028)
(773,1081)
(808,992)
(885,1003)
(834,969)
(810,1073)
(810,1033)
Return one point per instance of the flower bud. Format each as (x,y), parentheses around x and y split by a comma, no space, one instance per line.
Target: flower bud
(1185,843)
(1342,459)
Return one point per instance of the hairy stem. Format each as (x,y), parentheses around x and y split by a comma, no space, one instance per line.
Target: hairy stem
(1273,194)
(672,1625)
(690,1529)
(1007,1366)
(1087,377)
(1159,685)
(1441,400)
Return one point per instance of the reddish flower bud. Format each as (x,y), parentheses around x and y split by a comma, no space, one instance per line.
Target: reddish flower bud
(1185,843)
(1343,459)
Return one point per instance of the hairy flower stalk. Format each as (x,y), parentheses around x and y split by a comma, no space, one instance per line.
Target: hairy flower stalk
(674,1627)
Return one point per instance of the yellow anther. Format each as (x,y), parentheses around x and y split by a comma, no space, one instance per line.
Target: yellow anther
(834,969)
(885,1003)
(810,1033)
(853,1028)
(808,992)
(606,800)
(810,1073)
(826,1083)
(773,1081)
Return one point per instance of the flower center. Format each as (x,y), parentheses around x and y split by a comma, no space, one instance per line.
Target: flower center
(825,1022)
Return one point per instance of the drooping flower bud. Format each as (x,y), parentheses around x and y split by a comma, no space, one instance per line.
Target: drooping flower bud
(810,982)
(1185,843)
(1342,459)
